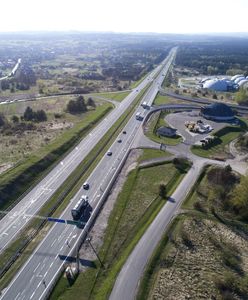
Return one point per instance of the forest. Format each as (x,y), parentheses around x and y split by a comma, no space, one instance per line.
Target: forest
(215,57)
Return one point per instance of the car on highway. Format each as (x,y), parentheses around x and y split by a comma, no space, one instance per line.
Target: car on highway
(119,141)
(86,186)
(109,153)
(124,132)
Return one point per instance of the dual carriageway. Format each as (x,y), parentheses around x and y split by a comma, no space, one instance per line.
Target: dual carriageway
(37,277)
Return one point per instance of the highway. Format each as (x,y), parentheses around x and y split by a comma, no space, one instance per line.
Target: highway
(16,219)
(12,73)
(37,276)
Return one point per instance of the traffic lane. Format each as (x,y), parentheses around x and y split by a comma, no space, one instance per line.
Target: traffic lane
(108,164)
(47,254)
(127,280)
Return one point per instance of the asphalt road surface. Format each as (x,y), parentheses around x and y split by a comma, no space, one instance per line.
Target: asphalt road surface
(37,276)
(19,216)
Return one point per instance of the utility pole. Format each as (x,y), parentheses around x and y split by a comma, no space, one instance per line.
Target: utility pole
(88,239)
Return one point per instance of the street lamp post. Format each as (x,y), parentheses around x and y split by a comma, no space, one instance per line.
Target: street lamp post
(88,239)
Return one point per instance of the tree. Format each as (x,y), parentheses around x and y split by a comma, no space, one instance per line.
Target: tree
(162,191)
(241,96)
(41,116)
(77,106)
(81,106)
(239,200)
(91,102)
(28,114)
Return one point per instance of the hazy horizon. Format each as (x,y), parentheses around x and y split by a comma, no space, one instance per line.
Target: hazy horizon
(177,17)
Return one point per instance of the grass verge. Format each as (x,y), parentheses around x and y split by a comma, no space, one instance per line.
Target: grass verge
(223,137)
(149,154)
(119,96)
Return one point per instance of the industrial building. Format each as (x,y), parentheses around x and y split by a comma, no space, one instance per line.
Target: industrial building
(217,112)
(224,84)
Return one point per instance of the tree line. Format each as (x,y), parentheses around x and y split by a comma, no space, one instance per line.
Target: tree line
(79,105)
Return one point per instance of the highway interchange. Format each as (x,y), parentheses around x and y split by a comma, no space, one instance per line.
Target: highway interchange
(18,217)
(37,276)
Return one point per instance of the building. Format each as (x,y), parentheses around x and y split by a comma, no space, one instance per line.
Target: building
(224,84)
(220,85)
(166,131)
(243,82)
(217,112)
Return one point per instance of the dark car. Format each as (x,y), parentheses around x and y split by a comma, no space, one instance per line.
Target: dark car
(109,153)
(124,132)
(86,186)
(119,141)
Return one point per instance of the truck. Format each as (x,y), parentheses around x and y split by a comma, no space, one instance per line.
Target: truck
(138,116)
(79,209)
(145,105)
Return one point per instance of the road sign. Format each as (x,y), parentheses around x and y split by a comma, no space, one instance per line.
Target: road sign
(71,222)
(56,220)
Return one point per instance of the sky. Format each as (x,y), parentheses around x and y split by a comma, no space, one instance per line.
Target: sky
(161,16)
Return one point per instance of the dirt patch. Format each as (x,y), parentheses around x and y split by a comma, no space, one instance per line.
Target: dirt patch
(188,270)
(98,229)
(60,125)
(5,167)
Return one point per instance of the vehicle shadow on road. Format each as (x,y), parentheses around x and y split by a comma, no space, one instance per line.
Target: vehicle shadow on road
(170,199)
(84,219)
(83,262)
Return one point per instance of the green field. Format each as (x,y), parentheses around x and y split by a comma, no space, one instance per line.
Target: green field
(117,96)
(134,210)
(160,99)
(149,154)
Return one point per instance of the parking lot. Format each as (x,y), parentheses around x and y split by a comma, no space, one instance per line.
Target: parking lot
(177,120)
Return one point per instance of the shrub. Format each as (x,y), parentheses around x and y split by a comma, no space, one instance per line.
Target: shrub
(186,239)
(162,191)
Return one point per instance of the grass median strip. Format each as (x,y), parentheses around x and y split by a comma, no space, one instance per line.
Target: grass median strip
(63,195)
(135,209)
